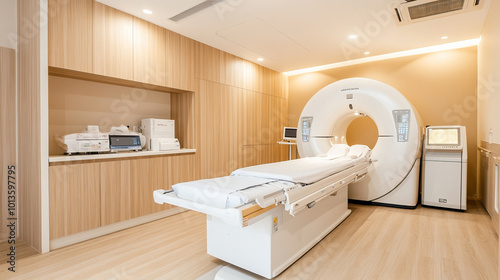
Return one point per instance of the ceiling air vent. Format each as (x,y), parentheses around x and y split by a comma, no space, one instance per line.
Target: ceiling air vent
(194,10)
(419,10)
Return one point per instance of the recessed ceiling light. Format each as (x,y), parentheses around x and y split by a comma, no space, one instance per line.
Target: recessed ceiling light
(260,59)
(353,36)
(444,37)
(147,11)
(367,53)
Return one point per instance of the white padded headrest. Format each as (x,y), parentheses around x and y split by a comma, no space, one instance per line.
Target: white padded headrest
(337,150)
(359,151)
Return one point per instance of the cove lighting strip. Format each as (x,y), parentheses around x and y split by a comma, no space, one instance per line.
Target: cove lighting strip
(438,48)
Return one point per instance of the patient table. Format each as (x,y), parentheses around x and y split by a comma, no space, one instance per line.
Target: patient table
(298,204)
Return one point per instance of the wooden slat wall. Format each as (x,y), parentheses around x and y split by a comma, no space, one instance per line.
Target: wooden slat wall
(242,110)
(183,111)
(233,115)
(7,129)
(29,125)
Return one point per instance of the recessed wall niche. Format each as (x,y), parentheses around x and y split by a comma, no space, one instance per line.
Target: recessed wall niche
(74,104)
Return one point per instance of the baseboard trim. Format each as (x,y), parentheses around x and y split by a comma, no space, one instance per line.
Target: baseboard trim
(93,233)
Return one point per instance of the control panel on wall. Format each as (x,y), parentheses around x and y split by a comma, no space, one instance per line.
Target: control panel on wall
(402,121)
(306,128)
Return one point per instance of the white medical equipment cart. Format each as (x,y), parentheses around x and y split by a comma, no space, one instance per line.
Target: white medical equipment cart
(444,181)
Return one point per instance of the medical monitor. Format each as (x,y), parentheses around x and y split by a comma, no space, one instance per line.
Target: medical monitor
(443,136)
(289,133)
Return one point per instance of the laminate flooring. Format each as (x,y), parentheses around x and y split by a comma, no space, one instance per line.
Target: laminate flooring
(374,242)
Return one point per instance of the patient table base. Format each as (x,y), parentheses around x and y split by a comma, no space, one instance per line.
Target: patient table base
(272,244)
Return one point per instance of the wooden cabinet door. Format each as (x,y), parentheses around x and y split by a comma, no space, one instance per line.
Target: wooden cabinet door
(127,185)
(70,34)
(74,198)
(115,192)
(149,53)
(113,42)
(180,61)
(181,168)
(146,176)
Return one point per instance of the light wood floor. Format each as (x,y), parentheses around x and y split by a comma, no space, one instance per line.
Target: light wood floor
(373,243)
(22,250)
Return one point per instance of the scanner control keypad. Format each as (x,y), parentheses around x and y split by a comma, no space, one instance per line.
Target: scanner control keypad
(402,121)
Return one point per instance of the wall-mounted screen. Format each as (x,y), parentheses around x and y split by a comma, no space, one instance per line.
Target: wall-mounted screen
(443,136)
(289,133)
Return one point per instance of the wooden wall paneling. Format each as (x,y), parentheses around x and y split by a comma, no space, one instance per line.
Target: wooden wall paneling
(180,168)
(7,128)
(484,168)
(284,122)
(188,63)
(216,121)
(494,163)
(487,165)
(232,72)
(203,113)
(240,106)
(172,56)
(220,122)
(255,117)
(285,86)
(113,42)
(260,70)
(208,63)
(234,114)
(248,76)
(29,181)
(70,34)
(180,61)
(224,68)
(149,53)
(267,111)
(183,111)
(75,204)
(267,80)
(146,176)
(235,126)
(274,126)
(116,191)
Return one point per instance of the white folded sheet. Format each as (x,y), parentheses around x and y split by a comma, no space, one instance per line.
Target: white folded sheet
(215,192)
(304,170)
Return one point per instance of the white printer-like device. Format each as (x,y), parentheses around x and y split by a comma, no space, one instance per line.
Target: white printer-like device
(160,134)
(91,141)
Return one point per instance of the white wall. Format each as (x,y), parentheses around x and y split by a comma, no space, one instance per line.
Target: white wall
(489,77)
(8,23)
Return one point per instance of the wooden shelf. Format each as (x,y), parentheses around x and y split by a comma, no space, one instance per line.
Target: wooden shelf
(67,73)
(66,158)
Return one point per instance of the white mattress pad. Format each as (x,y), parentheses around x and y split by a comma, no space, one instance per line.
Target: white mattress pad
(303,171)
(246,184)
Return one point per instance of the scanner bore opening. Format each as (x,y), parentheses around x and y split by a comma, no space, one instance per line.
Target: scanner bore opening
(362,131)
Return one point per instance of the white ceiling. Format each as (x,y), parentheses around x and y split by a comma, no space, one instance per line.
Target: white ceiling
(296,34)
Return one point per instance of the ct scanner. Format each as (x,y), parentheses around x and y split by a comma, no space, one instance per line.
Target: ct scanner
(393,177)
(263,218)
